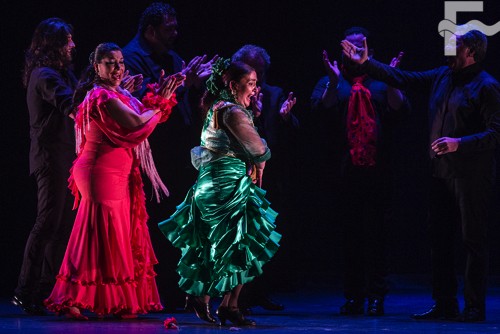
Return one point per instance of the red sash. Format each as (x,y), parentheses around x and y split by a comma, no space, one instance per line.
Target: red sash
(361,125)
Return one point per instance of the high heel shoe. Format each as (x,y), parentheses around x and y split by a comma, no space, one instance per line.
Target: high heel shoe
(74,313)
(234,315)
(200,308)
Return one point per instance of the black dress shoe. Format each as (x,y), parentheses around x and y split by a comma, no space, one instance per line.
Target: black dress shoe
(200,308)
(268,304)
(446,311)
(28,307)
(353,307)
(472,314)
(375,307)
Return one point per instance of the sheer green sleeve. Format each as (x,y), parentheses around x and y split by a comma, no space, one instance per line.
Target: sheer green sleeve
(241,127)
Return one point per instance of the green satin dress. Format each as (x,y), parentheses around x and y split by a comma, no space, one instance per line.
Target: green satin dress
(225,227)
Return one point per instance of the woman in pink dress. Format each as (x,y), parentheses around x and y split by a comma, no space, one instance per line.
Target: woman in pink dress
(108,265)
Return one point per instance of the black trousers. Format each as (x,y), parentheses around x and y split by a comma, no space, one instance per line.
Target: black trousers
(364,206)
(49,236)
(460,204)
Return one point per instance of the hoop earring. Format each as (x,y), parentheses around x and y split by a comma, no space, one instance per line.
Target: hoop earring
(234,94)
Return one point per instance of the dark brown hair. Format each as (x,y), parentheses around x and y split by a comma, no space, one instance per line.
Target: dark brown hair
(235,71)
(88,78)
(49,39)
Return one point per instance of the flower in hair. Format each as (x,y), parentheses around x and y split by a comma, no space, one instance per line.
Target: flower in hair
(218,67)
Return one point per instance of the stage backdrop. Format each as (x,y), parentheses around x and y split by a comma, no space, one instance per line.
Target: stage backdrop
(294,33)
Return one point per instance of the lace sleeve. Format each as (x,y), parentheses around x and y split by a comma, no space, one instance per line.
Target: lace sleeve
(241,127)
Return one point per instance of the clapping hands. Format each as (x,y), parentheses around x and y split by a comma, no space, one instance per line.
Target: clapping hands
(256,102)
(197,70)
(131,83)
(331,69)
(287,105)
(166,86)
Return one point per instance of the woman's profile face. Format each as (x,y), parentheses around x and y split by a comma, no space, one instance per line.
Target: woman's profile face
(245,88)
(111,68)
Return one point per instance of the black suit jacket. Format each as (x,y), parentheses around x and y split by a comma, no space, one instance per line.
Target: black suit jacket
(49,97)
(463,104)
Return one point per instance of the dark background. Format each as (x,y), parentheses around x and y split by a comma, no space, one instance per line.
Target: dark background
(294,33)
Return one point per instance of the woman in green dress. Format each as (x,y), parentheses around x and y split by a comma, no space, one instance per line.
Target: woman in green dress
(225,227)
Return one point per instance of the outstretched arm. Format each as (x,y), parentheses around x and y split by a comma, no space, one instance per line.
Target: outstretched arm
(391,75)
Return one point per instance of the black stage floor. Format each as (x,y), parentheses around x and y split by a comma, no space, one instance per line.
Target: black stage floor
(309,310)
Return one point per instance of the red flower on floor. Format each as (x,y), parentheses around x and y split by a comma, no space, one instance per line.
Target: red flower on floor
(170,323)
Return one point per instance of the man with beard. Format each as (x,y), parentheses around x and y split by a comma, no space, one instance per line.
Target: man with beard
(50,83)
(464,110)
(149,52)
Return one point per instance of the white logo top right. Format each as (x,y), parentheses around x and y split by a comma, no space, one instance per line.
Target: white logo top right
(450,30)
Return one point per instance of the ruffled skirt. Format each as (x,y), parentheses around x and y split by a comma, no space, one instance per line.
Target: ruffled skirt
(224,228)
(108,264)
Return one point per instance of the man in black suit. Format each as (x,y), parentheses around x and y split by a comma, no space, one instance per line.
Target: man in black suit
(50,84)
(464,108)
(368,111)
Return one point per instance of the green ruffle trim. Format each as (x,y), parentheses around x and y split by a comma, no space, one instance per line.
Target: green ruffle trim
(216,262)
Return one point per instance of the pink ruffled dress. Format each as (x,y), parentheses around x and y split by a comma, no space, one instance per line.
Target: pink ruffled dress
(108,264)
